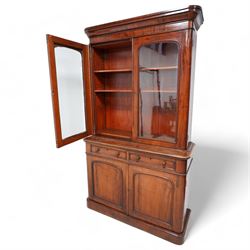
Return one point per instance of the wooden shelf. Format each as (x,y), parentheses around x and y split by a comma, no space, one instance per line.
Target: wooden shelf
(159,91)
(112,70)
(160,137)
(113,91)
(115,133)
(131,91)
(158,68)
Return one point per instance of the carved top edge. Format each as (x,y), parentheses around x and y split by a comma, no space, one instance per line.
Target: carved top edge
(192,13)
(183,154)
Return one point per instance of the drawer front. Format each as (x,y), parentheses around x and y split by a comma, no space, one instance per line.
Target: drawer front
(108,152)
(160,163)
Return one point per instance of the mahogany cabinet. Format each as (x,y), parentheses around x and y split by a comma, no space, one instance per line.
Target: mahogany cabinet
(129,95)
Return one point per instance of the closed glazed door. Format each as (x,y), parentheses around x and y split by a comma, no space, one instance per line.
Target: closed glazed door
(152,196)
(161,100)
(107,182)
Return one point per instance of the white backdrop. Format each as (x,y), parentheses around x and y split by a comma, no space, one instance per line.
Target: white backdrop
(43,190)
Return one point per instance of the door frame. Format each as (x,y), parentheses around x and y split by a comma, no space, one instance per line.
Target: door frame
(182,38)
(52,43)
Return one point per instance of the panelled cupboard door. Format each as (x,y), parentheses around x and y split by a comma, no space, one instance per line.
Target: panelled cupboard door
(70,87)
(108,182)
(153,196)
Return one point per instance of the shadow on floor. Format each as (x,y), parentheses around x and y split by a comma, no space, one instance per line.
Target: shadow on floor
(212,169)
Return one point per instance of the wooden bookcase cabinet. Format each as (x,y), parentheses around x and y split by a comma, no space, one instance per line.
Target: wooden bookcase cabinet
(129,94)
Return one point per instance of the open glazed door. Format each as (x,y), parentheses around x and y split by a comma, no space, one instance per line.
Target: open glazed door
(70,86)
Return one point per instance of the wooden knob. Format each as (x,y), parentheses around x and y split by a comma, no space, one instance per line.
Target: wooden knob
(138,157)
(97,150)
(118,154)
(164,164)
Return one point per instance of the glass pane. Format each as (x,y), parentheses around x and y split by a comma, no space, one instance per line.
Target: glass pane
(158,83)
(70,91)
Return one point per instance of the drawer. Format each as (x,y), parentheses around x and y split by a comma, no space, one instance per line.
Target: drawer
(108,152)
(152,160)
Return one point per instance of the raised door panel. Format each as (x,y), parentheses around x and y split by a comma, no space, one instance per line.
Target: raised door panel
(152,196)
(107,182)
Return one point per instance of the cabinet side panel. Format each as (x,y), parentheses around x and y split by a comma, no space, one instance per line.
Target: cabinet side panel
(194,39)
(187,188)
(184,90)
(180,198)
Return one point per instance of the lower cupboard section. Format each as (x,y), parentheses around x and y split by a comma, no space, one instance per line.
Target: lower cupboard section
(149,195)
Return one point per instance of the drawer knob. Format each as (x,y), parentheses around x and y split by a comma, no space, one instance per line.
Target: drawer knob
(164,164)
(118,154)
(138,157)
(97,150)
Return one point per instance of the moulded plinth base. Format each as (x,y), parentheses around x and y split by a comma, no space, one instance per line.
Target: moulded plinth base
(176,238)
